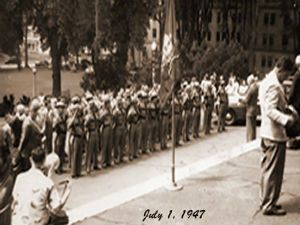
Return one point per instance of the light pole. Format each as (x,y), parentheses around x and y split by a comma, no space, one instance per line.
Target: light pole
(153,48)
(34,80)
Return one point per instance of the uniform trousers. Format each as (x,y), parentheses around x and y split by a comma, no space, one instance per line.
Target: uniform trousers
(119,143)
(92,150)
(143,134)
(133,140)
(106,148)
(76,156)
(272,167)
(207,119)
(221,117)
(60,149)
(164,131)
(196,122)
(152,133)
(251,127)
(177,118)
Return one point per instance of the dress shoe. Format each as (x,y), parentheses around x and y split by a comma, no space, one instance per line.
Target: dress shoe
(275,212)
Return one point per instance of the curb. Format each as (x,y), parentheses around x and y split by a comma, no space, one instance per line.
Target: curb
(115,199)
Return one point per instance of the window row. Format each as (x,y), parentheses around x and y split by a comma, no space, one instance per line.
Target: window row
(268,40)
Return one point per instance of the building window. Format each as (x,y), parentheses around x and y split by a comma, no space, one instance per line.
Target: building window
(209,19)
(208,35)
(223,36)
(271,40)
(238,36)
(286,20)
(263,61)
(266,19)
(264,40)
(219,17)
(273,19)
(285,40)
(240,18)
(218,36)
(154,32)
(270,60)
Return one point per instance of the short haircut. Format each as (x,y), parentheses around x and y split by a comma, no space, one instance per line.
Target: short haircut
(38,155)
(285,64)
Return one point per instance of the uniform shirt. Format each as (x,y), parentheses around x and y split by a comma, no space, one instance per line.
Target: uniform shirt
(34,197)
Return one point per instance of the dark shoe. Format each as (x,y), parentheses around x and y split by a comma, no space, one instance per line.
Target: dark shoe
(275,212)
(278,207)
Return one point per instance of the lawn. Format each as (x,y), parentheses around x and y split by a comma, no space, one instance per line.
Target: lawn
(21,82)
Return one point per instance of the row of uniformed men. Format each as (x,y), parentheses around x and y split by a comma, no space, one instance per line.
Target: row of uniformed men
(116,127)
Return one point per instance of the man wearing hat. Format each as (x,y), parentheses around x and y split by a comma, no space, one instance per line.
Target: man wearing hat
(196,109)
(76,126)
(187,112)
(177,116)
(143,121)
(106,119)
(59,134)
(133,119)
(153,119)
(119,130)
(222,103)
(91,126)
(208,106)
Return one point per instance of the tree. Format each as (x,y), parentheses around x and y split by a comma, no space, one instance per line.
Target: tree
(11,28)
(51,18)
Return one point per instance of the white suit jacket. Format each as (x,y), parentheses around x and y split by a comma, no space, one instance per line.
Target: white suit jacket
(272,104)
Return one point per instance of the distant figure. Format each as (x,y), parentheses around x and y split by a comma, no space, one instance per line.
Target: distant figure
(273,105)
(251,108)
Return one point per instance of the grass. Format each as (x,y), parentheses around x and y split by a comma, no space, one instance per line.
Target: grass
(21,82)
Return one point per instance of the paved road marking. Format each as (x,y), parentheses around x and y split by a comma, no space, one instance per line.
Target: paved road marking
(110,201)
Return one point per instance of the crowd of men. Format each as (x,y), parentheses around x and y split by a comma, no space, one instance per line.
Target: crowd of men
(112,127)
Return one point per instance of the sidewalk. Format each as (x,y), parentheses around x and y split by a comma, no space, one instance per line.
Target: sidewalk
(228,192)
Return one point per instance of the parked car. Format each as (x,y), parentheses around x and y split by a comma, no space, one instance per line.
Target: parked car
(237,111)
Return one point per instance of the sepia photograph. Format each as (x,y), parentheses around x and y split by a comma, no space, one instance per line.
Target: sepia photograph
(142,112)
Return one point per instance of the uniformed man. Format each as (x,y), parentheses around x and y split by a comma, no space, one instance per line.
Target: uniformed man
(208,105)
(187,113)
(143,120)
(177,116)
(153,119)
(133,118)
(119,130)
(76,124)
(222,102)
(59,134)
(16,124)
(106,119)
(196,109)
(164,112)
(92,125)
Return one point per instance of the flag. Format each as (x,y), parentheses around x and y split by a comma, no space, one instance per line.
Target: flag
(169,54)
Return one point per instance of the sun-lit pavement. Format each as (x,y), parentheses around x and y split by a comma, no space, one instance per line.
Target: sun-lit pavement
(21,82)
(229,194)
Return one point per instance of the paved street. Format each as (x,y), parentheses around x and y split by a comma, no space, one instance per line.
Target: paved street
(230,189)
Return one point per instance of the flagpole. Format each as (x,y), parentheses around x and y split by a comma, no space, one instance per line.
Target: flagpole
(173,186)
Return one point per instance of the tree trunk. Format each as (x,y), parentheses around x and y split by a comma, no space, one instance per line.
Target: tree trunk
(56,64)
(18,56)
(26,44)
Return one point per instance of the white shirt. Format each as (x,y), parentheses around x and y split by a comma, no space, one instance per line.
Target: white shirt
(34,197)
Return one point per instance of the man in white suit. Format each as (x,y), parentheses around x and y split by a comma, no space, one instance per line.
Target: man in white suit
(273,124)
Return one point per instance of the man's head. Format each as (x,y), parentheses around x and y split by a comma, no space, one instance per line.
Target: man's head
(297,62)
(284,67)
(38,157)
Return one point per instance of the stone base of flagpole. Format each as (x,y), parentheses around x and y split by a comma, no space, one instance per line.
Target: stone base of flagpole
(174,187)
